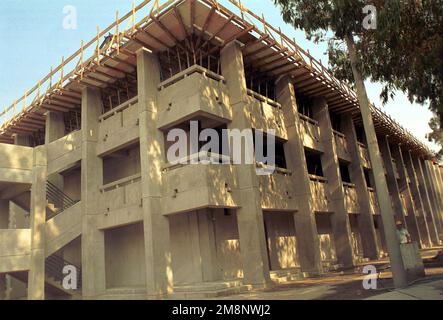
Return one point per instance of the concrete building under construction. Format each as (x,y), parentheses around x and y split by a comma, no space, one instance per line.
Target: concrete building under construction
(85,182)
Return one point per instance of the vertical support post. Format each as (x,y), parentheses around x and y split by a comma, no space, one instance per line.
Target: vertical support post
(159,280)
(93,241)
(55,126)
(250,215)
(36,277)
(431,185)
(4,223)
(405,191)
(365,218)
(21,140)
(308,246)
(439,196)
(391,179)
(331,167)
(427,201)
(381,187)
(416,196)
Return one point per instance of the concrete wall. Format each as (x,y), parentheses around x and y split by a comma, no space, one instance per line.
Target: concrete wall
(125,257)
(229,259)
(310,133)
(282,241)
(266,115)
(195,94)
(15,163)
(72,183)
(119,127)
(191,187)
(64,152)
(356,235)
(15,248)
(326,237)
(18,217)
(277,192)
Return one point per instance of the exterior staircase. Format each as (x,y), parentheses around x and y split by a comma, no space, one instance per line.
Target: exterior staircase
(54,274)
(58,201)
(54,277)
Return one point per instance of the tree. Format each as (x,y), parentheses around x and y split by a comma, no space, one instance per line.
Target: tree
(404,53)
(342,20)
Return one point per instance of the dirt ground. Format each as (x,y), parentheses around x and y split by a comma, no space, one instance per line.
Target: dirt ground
(336,286)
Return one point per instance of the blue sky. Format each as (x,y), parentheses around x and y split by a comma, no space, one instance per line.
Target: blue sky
(33,39)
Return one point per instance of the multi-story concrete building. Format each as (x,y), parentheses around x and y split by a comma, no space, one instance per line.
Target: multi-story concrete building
(85,181)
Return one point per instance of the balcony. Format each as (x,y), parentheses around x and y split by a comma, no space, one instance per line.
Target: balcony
(310,133)
(193,92)
(118,127)
(15,164)
(64,152)
(121,201)
(188,187)
(266,114)
(373,202)
(319,194)
(351,198)
(342,146)
(277,191)
(364,155)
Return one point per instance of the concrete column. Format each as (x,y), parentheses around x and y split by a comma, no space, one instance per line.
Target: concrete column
(250,215)
(4,214)
(391,180)
(55,126)
(331,169)
(308,246)
(381,187)
(425,193)
(432,188)
(54,130)
(418,202)
(439,191)
(159,280)
(439,180)
(22,140)
(365,218)
(93,242)
(405,191)
(36,276)
(4,221)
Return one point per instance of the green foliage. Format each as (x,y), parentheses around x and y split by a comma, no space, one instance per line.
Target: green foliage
(404,52)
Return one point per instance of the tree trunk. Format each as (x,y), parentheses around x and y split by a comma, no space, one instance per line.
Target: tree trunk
(387,214)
